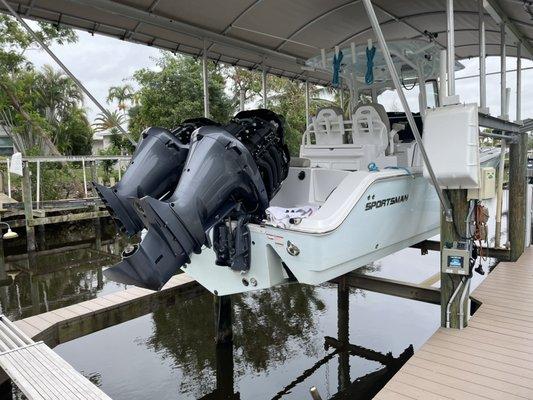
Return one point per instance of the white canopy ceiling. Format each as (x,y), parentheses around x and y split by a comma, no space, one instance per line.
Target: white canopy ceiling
(279,34)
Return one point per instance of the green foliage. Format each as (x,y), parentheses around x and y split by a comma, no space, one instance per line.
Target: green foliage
(174,93)
(75,134)
(34,105)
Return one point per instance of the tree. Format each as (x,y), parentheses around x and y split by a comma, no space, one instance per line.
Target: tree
(21,118)
(175,93)
(122,94)
(107,121)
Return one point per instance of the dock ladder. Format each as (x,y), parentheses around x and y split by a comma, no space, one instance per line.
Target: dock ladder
(38,371)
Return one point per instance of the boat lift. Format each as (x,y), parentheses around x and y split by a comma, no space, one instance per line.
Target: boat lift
(282,50)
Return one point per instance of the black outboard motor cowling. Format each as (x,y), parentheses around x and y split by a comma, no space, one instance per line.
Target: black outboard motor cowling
(223,186)
(154,170)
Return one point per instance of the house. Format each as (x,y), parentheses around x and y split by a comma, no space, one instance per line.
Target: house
(6,143)
(101,141)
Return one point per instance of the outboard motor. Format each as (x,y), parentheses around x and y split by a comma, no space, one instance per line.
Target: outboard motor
(228,179)
(154,170)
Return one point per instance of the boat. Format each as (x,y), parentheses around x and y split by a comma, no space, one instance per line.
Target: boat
(237,216)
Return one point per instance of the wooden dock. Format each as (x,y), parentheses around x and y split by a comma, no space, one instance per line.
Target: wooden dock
(490,359)
(68,323)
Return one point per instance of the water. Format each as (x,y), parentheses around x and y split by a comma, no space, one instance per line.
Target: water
(279,334)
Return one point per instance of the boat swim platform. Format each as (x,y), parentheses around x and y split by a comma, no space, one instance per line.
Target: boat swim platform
(492,358)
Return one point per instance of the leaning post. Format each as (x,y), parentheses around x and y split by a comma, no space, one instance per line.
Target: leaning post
(517,195)
(28,207)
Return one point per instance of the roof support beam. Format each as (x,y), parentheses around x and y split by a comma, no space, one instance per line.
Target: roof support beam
(519,83)
(493,7)
(184,28)
(503,75)
(482,61)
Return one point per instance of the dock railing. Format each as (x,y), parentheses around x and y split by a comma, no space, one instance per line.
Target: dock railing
(35,211)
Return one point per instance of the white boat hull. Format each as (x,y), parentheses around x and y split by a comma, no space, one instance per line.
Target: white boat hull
(392,211)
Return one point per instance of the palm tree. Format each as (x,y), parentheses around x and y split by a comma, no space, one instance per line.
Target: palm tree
(107,121)
(58,94)
(122,94)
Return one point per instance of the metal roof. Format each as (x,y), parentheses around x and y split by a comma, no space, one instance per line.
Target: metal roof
(279,34)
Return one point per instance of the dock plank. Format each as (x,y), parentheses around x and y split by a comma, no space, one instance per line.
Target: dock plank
(490,359)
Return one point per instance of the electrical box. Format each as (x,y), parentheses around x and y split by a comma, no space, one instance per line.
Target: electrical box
(456,258)
(487,186)
(451,140)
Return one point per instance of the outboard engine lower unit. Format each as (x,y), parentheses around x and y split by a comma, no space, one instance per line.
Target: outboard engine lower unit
(228,179)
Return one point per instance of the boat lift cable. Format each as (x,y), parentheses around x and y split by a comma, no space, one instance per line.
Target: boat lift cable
(64,67)
(396,80)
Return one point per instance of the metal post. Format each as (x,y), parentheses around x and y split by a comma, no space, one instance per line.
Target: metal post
(8,178)
(503,73)
(482,60)
(450,47)
(64,68)
(119,163)
(396,80)
(28,207)
(38,185)
(242,99)
(84,177)
(205,81)
(519,82)
(499,195)
(97,223)
(264,86)
(341,95)
(307,104)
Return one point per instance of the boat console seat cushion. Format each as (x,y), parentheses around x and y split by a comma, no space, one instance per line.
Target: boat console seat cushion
(369,129)
(328,126)
(381,112)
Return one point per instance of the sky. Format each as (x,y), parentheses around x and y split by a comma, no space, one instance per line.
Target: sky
(100,62)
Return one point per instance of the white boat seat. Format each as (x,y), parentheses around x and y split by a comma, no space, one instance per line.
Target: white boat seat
(328,126)
(369,129)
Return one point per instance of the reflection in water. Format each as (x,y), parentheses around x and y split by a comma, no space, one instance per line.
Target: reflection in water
(285,340)
(43,281)
(266,327)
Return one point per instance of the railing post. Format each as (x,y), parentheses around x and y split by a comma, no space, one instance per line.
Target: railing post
(97,223)
(84,177)
(28,207)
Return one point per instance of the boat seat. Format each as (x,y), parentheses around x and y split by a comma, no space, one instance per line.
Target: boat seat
(369,129)
(328,126)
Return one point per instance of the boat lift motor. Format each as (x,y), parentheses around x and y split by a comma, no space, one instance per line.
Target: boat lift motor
(154,170)
(228,179)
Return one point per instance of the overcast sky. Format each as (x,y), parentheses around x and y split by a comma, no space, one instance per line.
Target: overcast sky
(100,62)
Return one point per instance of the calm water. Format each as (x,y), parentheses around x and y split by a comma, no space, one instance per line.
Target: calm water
(279,334)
